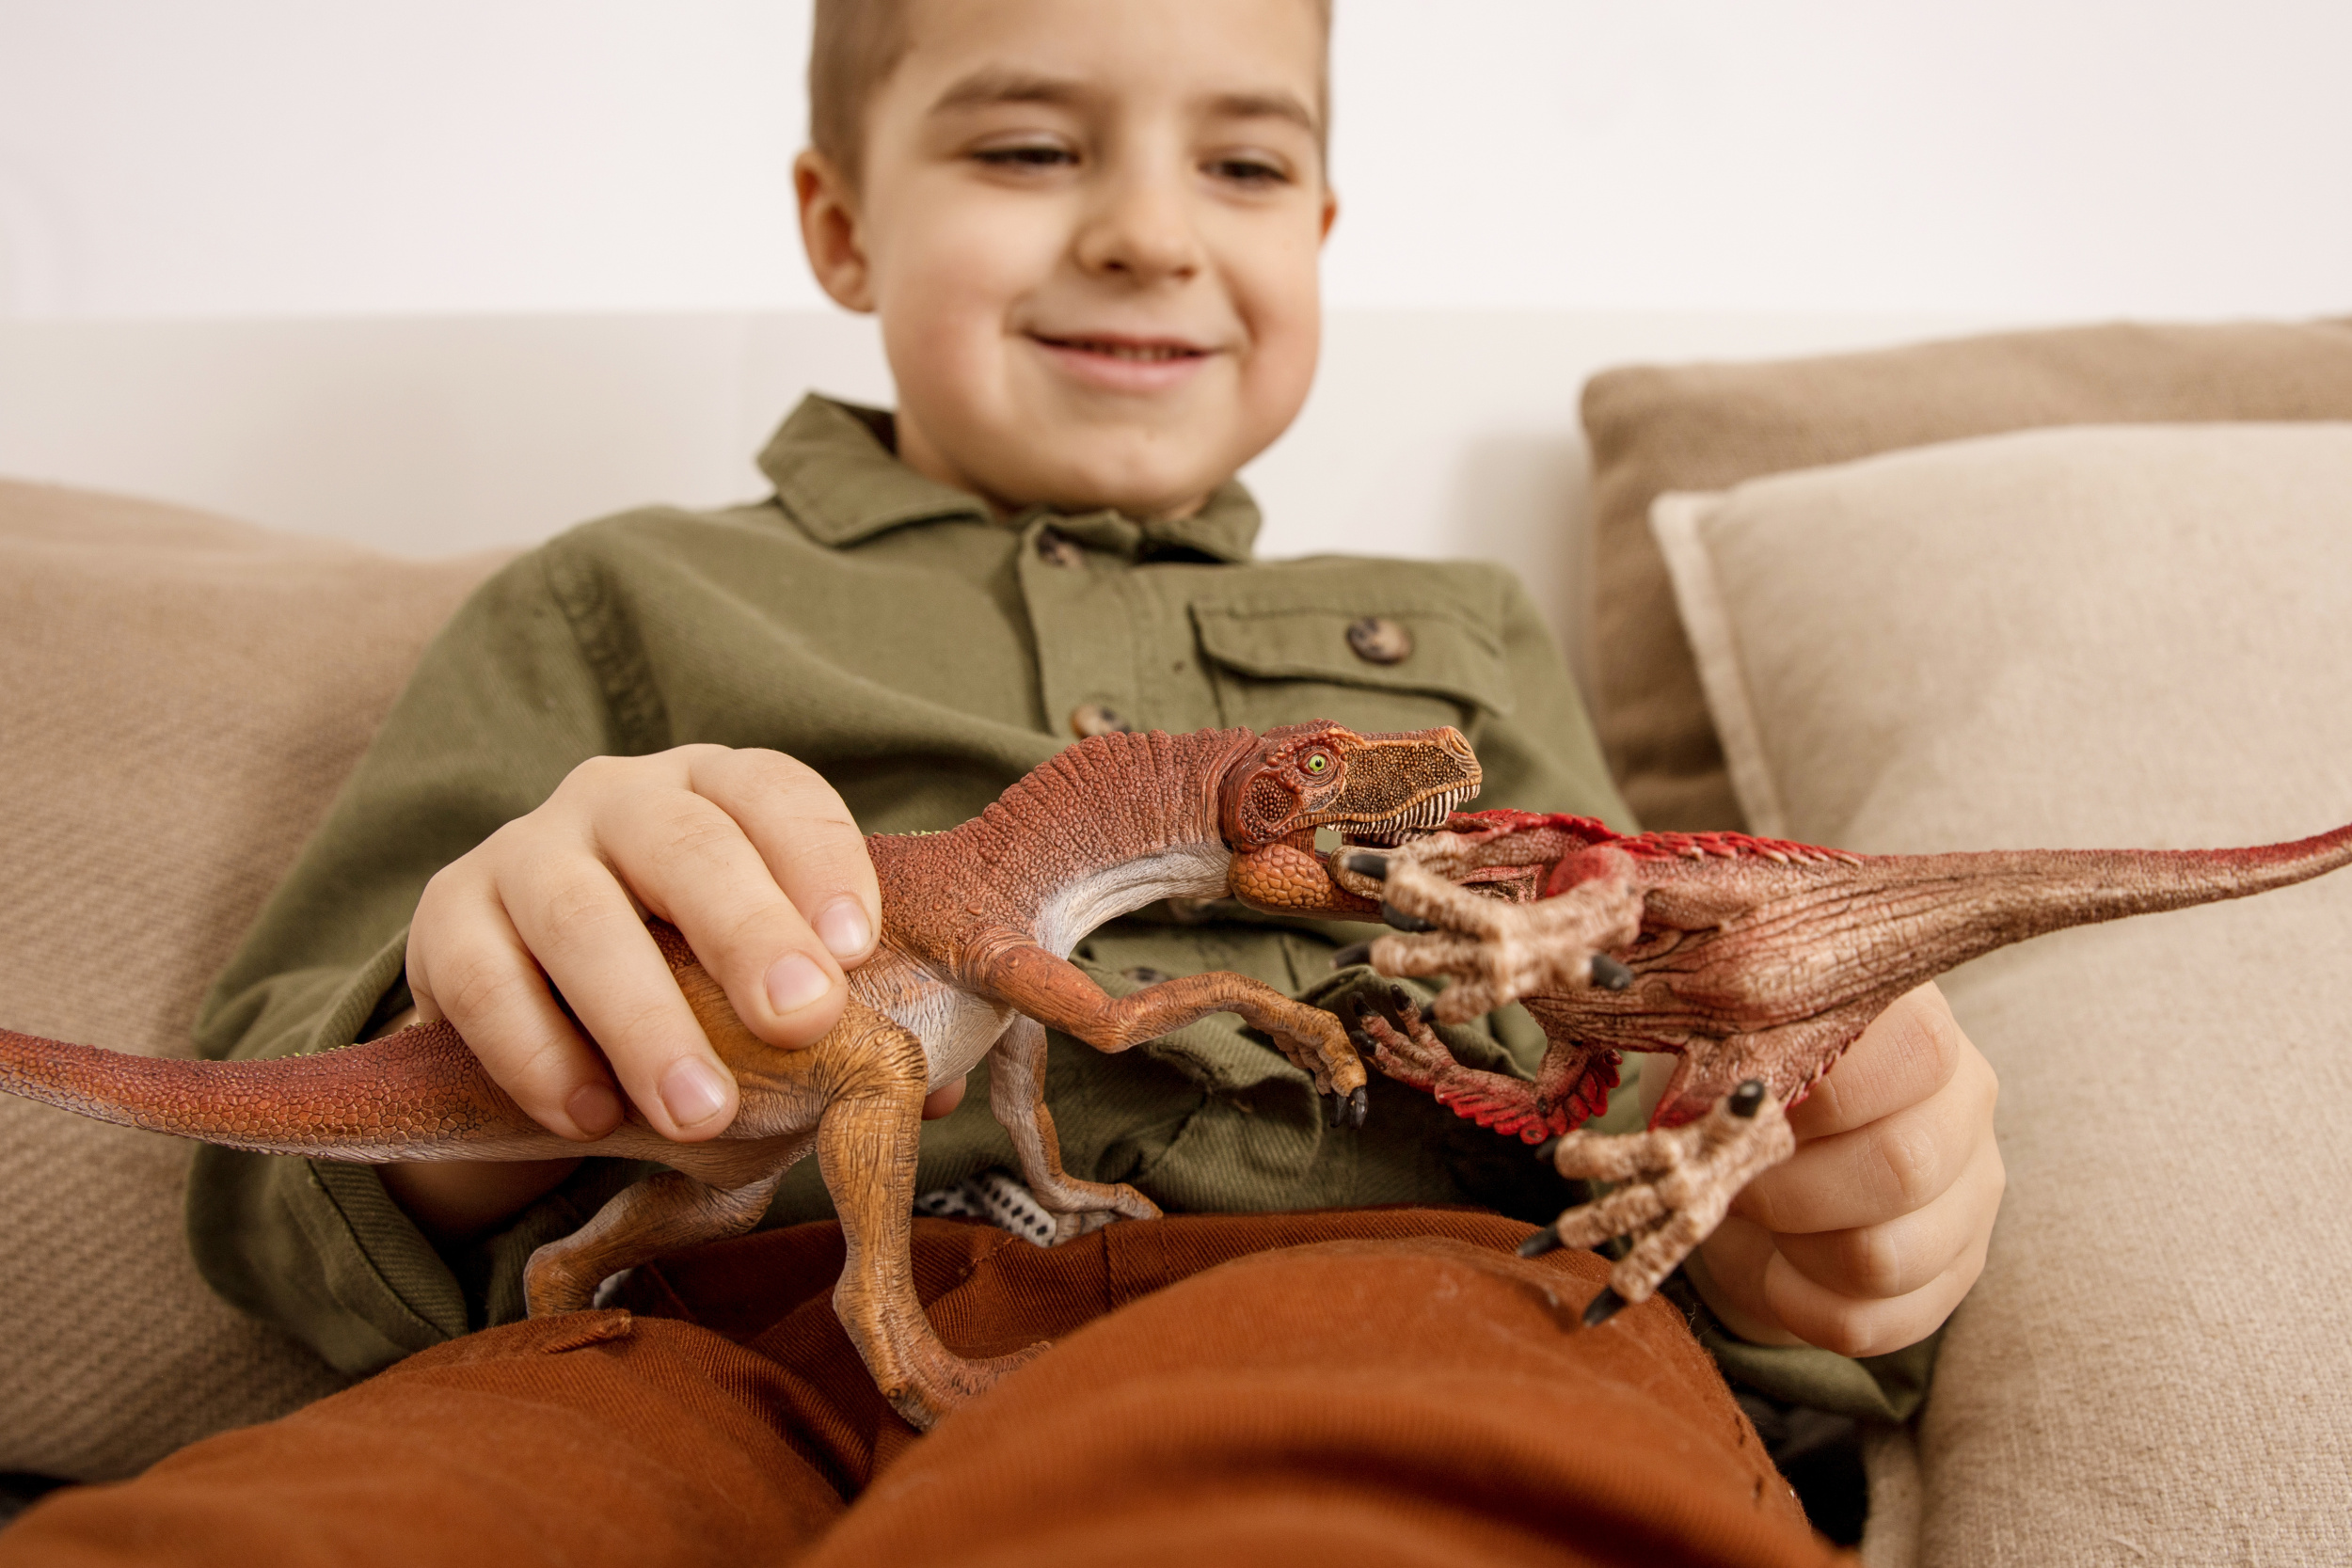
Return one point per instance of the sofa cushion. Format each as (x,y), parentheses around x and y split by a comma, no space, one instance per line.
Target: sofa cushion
(2097,637)
(1704,427)
(182,695)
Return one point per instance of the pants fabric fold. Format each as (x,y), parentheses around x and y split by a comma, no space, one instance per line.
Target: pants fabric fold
(1370,1385)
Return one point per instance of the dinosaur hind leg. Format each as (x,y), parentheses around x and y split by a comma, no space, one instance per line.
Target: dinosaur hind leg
(865,1143)
(665,1213)
(1016,1093)
(1678,1183)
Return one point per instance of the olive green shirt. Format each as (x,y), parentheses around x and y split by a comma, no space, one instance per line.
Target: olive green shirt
(922,654)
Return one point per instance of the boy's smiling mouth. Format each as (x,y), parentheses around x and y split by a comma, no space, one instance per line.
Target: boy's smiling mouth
(1119,362)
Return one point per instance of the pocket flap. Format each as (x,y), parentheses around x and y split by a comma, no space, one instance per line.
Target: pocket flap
(1451,657)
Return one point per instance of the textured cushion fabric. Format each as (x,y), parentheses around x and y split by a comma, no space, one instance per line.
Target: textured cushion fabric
(1707,427)
(2097,637)
(180,695)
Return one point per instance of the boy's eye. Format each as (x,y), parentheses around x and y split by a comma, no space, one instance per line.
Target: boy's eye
(1025,156)
(1240,171)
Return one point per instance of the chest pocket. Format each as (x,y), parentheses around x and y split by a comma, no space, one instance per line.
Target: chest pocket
(1285,664)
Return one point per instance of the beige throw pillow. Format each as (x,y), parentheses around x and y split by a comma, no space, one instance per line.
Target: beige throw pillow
(2097,637)
(1706,427)
(180,696)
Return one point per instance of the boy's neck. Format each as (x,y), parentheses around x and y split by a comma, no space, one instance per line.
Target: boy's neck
(918,451)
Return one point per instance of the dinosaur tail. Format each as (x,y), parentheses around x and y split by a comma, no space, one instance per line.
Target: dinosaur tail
(414,1095)
(2008,895)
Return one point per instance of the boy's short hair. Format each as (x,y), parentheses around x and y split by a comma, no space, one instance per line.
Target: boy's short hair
(858,43)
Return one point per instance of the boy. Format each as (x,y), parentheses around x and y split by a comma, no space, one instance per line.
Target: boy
(1090,231)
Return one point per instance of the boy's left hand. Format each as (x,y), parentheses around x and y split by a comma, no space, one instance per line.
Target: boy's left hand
(1866,1240)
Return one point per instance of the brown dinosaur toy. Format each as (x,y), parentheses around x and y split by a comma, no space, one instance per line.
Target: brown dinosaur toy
(1757,961)
(977,925)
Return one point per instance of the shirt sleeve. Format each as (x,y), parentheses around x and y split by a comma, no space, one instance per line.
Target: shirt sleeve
(502,704)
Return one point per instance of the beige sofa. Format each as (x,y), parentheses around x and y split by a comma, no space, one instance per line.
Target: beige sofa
(2125,632)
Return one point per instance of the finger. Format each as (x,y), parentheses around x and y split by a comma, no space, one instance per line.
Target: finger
(1891,1167)
(1866,1328)
(693,866)
(589,937)
(1884,1261)
(943,1100)
(1908,1053)
(466,963)
(811,844)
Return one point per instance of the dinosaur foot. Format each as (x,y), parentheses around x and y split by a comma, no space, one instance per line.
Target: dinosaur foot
(1495,951)
(925,1385)
(1046,1213)
(1677,1181)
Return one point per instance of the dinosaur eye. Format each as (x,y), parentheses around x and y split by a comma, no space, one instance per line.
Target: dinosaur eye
(1318,763)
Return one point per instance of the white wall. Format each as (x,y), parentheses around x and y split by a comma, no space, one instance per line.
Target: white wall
(2014,159)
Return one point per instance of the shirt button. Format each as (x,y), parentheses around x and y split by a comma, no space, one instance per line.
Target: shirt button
(1377,640)
(1092,718)
(1059,549)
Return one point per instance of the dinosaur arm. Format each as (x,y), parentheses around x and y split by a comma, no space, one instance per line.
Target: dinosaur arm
(1058,993)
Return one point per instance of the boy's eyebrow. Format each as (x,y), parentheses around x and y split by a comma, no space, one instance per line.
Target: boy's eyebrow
(993,84)
(996,85)
(1264,106)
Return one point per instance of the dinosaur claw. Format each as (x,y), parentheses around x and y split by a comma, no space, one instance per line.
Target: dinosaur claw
(1358,1106)
(1353,953)
(1603,1307)
(1402,920)
(1338,1104)
(1543,1240)
(1549,1150)
(1366,862)
(1608,975)
(1748,1098)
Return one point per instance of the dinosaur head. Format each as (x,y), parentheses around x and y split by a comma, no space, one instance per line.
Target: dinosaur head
(1374,789)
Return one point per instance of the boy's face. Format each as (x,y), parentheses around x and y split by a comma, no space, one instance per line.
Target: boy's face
(1091,227)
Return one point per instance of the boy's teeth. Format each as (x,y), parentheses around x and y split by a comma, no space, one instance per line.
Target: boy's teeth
(1132,350)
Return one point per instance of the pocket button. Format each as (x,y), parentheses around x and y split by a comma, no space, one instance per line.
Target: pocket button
(1092,718)
(1377,640)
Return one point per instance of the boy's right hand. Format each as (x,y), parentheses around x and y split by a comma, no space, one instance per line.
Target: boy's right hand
(749,853)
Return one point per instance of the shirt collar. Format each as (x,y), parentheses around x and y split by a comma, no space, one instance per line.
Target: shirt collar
(836,472)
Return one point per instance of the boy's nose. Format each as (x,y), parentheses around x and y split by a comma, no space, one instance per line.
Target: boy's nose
(1141,229)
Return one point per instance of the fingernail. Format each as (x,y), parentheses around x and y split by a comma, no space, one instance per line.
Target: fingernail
(794,981)
(692,1091)
(843,929)
(595,1109)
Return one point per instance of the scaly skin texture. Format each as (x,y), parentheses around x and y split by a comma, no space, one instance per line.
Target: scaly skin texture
(977,927)
(1756,961)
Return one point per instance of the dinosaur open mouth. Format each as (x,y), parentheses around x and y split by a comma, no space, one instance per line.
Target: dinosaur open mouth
(1423,816)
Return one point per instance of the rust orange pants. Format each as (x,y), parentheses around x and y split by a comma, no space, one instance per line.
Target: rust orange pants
(1369,1386)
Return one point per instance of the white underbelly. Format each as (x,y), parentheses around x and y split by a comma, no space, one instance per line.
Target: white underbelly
(956,1027)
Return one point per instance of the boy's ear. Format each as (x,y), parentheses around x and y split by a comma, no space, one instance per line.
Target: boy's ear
(830,231)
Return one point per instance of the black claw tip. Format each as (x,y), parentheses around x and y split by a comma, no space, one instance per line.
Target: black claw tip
(1748,1098)
(1608,975)
(1402,920)
(1603,1307)
(1366,862)
(1338,1104)
(1545,1239)
(1549,1150)
(1353,953)
(1358,1105)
